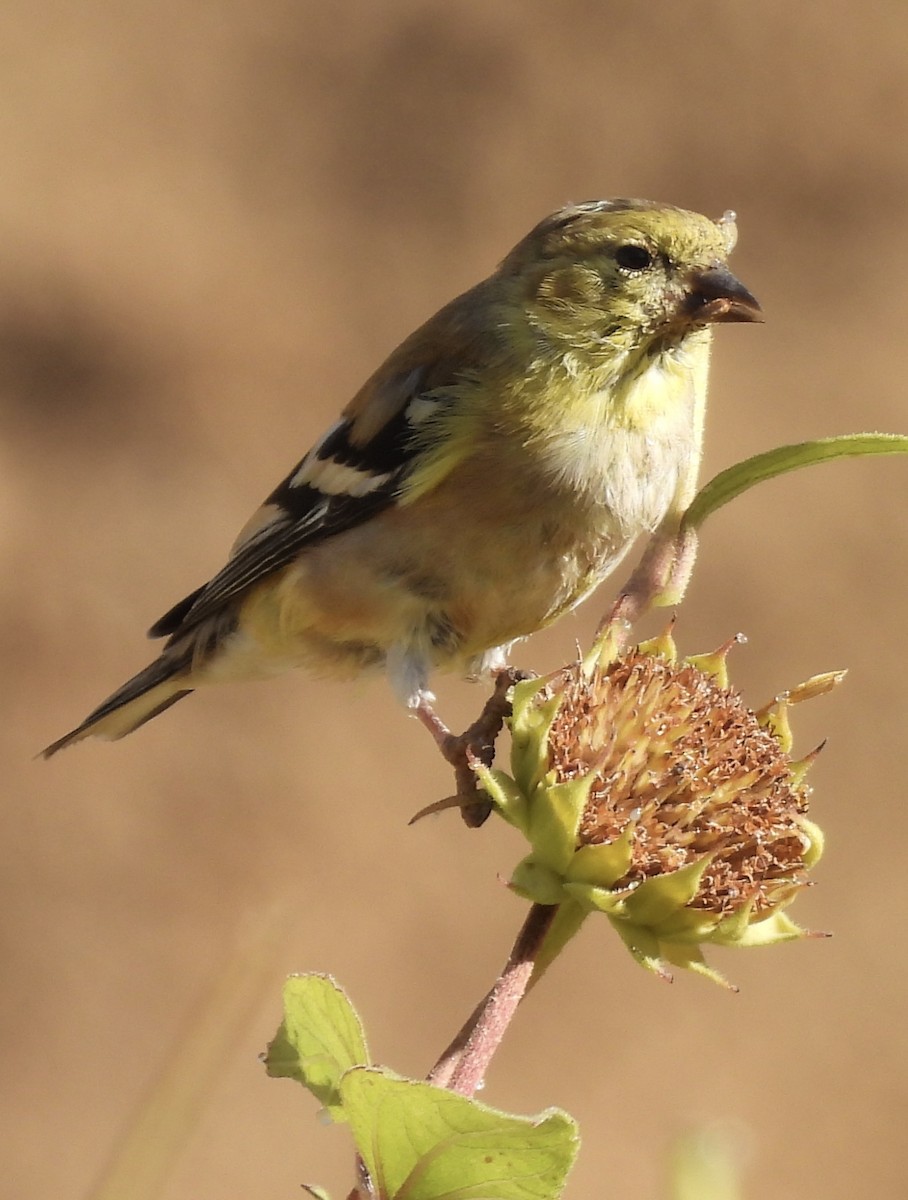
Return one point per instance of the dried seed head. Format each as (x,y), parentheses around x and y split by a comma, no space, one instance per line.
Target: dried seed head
(686,764)
(650,791)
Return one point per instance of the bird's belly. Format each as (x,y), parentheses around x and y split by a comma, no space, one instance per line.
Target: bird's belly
(544,578)
(343,614)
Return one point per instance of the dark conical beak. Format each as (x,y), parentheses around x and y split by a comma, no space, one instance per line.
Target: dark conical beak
(716,295)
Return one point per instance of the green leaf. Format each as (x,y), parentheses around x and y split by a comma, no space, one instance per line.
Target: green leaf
(320,1038)
(420,1142)
(744,475)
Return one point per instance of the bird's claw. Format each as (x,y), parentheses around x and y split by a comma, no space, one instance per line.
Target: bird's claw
(473,748)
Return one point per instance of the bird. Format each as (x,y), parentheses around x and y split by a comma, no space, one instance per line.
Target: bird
(484,480)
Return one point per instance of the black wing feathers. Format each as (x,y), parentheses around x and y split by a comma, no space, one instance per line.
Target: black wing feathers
(304,515)
(174,617)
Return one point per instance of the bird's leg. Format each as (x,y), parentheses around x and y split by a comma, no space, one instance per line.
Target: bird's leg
(432,721)
(475,745)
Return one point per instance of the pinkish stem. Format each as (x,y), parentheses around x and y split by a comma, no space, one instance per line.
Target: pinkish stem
(661,578)
(463,1065)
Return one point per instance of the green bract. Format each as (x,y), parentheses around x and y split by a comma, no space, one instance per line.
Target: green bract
(648,791)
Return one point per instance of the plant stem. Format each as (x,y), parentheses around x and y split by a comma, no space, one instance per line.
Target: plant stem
(463,1065)
(659,580)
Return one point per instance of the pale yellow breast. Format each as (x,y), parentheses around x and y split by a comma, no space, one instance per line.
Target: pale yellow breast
(635,444)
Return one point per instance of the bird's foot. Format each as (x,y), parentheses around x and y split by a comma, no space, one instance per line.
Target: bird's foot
(472,748)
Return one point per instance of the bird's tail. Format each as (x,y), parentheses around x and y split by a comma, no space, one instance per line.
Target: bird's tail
(137,701)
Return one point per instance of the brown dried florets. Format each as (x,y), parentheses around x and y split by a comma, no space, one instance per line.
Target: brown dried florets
(688,764)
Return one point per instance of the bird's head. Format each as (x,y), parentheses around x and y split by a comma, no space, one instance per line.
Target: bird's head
(625,273)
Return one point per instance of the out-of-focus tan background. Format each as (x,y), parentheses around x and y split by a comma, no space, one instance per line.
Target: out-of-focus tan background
(215,220)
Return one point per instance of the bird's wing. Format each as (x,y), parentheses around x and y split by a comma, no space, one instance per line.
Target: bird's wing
(357,469)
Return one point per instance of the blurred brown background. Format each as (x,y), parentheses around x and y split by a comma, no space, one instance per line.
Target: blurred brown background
(215,220)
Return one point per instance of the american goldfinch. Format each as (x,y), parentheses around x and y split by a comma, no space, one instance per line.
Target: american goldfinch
(484,480)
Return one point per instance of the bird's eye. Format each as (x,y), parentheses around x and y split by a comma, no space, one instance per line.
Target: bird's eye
(633,258)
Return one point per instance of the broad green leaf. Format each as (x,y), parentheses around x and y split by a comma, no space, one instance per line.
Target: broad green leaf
(420,1142)
(319,1039)
(744,475)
